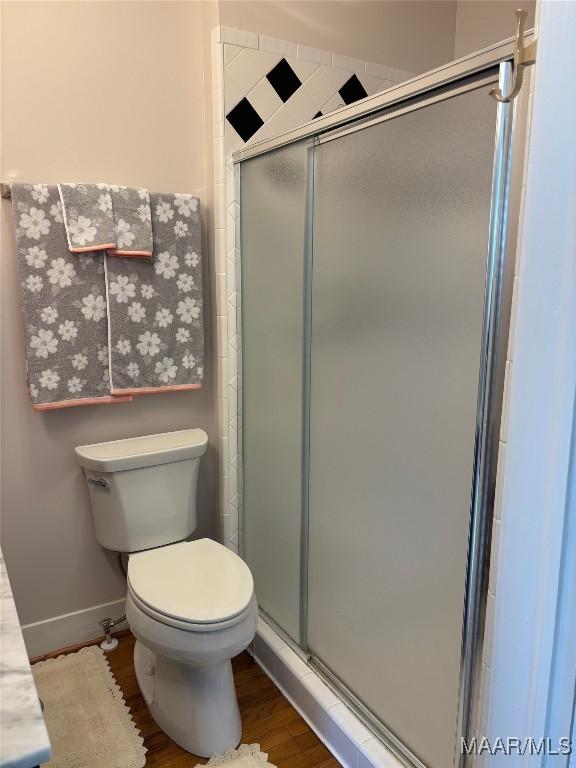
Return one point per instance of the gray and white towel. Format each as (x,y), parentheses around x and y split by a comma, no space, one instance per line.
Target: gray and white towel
(87,212)
(132,222)
(156,334)
(64,306)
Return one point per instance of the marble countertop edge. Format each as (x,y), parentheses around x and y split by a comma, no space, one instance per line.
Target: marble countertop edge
(24,740)
(31,760)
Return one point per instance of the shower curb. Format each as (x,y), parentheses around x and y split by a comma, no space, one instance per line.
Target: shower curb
(343,733)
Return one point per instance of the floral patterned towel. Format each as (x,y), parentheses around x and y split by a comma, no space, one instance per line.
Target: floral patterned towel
(132,222)
(155,306)
(87,212)
(64,306)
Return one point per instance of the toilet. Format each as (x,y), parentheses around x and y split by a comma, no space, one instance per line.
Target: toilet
(190,604)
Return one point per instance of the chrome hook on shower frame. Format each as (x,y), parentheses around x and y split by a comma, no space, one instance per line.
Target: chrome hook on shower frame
(523,57)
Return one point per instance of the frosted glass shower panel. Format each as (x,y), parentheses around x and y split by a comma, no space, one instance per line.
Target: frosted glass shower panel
(273,189)
(401,225)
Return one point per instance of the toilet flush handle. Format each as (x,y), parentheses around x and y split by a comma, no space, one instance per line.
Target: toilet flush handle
(99,481)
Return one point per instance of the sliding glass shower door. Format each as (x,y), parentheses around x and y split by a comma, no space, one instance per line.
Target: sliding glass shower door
(274,190)
(372,266)
(401,228)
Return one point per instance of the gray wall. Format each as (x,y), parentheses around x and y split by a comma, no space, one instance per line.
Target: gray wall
(415,35)
(482,22)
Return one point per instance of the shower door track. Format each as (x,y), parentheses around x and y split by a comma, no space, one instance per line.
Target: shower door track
(458,70)
(363,713)
(492,64)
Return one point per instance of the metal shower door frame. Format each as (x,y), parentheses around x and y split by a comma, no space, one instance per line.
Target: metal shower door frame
(490,386)
(506,188)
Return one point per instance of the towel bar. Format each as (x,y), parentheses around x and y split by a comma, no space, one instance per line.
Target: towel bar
(5,191)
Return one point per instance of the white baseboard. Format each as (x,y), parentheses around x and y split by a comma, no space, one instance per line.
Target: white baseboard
(70,628)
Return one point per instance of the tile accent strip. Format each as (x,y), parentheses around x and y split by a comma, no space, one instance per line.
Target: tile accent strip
(353,745)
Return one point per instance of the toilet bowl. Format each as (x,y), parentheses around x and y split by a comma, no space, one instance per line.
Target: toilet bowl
(190,604)
(192,609)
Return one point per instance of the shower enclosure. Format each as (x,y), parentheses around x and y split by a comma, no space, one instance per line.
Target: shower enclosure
(375,296)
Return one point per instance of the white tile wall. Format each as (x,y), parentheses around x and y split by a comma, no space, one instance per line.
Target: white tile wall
(230,51)
(274,45)
(347,62)
(237,37)
(320,72)
(337,76)
(315,54)
(243,70)
(345,734)
(374,753)
(319,86)
(379,70)
(265,100)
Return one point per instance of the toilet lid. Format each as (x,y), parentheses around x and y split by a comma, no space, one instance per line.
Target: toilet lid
(196,581)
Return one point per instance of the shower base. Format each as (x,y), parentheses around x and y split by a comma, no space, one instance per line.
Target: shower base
(353,745)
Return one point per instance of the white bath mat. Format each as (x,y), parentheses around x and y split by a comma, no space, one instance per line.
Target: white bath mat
(88,721)
(246,756)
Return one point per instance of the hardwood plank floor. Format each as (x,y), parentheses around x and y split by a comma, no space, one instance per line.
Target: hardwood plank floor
(267,718)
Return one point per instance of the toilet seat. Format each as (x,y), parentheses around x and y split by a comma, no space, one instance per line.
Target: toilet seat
(189,626)
(191,584)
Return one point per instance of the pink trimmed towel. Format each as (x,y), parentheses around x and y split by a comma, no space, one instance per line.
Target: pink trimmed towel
(88,219)
(107,217)
(63,304)
(156,332)
(132,222)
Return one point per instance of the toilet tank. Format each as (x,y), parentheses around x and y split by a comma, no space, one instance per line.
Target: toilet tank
(143,489)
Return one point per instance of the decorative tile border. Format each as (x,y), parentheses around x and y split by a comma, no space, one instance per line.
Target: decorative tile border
(334,723)
(271,85)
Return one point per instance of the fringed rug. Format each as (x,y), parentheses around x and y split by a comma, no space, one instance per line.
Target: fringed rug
(246,756)
(88,721)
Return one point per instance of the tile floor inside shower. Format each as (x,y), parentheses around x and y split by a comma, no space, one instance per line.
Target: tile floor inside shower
(267,717)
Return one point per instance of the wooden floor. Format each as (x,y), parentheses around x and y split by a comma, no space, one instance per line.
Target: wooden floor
(267,718)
